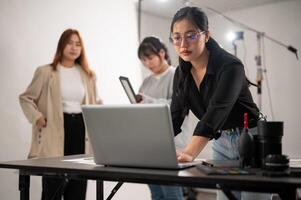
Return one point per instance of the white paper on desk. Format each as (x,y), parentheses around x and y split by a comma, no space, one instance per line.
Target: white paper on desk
(295,162)
(86,160)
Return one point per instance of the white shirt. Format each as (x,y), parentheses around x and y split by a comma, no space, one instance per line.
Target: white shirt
(72,89)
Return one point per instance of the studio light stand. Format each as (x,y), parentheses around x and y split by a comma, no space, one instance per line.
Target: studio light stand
(139,12)
(236,36)
(259,77)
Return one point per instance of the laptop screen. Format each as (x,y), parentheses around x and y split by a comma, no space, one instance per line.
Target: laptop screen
(134,135)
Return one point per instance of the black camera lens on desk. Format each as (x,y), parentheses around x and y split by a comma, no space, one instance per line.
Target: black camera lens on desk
(268,140)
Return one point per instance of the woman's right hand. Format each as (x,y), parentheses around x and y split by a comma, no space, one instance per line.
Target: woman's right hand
(139,98)
(146,98)
(41,122)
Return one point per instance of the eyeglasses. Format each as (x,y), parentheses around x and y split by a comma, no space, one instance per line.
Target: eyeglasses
(189,37)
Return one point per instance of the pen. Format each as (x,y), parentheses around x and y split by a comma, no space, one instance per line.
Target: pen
(207,164)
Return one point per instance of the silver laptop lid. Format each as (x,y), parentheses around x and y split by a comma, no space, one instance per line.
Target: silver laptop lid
(137,135)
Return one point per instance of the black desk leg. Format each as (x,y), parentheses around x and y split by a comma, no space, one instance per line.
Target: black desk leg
(288,194)
(229,195)
(24,182)
(99,190)
(115,189)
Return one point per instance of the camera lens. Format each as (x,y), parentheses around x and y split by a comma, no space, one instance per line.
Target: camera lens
(269,139)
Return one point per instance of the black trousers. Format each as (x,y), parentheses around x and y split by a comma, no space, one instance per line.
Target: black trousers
(56,188)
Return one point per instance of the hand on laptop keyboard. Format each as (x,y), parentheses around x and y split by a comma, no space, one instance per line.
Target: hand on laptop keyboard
(183,157)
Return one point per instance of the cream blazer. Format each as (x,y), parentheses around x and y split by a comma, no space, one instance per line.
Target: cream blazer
(43,97)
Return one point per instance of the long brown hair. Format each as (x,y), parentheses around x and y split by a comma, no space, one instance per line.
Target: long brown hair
(81,60)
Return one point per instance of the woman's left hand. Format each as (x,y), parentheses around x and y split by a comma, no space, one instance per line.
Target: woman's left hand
(193,148)
(184,157)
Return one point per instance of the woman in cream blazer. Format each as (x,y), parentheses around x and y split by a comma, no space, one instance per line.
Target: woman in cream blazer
(50,101)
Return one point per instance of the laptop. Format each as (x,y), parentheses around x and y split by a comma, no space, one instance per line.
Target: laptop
(134,135)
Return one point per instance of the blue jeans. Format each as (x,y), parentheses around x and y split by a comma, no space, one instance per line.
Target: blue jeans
(164,192)
(226,148)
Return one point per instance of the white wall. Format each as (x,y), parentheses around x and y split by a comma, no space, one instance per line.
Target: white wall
(152,25)
(29,33)
(283,70)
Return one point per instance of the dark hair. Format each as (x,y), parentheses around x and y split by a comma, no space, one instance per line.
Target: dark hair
(193,14)
(63,41)
(200,20)
(152,46)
